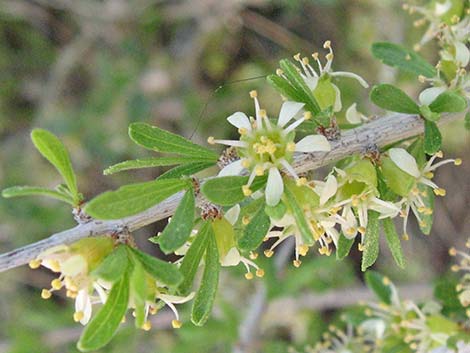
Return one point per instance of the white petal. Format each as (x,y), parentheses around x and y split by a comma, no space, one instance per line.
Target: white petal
(441,8)
(233,168)
(338,105)
(274,187)
(83,304)
(232,258)
(240,120)
(358,78)
(330,188)
(404,161)
(175,299)
(462,54)
(311,82)
(353,116)
(232,214)
(288,111)
(428,96)
(313,143)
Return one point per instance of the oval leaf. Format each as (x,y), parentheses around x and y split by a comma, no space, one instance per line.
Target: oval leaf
(185,170)
(371,243)
(448,102)
(344,246)
(432,137)
(391,98)
(377,283)
(146,163)
(307,235)
(113,266)
(393,241)
(255,231)
(16,191)
(138,288)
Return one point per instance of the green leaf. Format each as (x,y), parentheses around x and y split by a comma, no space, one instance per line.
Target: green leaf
(344,246)
(100,330)
(133,198)
(467,121)
(428,114)
(16,191)
(448,102)
(391,98)
(138,288)
(393,241)
(285,88)
(432,137)
(147,163)
(427,195)
(371,242)
(179,229)
(113,266)
(205,296)
(404,59)
(276,212)
(227,191)
(185,170)
(299,216)
(255,231)
(379,285)
(54,151)
(163,271)
(156,139)
(292,74)
(399,181)
(193,257)
(416,149)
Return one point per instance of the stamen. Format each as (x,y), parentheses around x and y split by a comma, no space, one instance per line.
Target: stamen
(34,264)
(46,294)
(78,315)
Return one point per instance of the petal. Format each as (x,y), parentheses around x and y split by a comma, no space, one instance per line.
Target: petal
(232,258)
(353,116)
(358,78)
(240,120)
(330,188)
(175,299)
(288,111)
(232,214)
(404,161)
(337,107)
(233,168)
(83,304)
(274,187)
(311,82)
(462,54)
(428,96)
(313,143)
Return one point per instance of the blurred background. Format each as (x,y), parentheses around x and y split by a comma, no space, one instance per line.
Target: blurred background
(86,69)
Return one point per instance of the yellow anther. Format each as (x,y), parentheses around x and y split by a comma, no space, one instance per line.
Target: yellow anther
(242,131)
(386,281)
(416,47)
(245,163)
(335,210)
(78,315)
(327,44)
(71,294)
(360,247)
(253,94)
(429,175)
(279,72)
(303,249)
(56,284)
(422,78)
(249,276)
(245,220)
(297,263)
(259,170)
(54,266)
(305,61)
(211,140)
(422,209)
(259,272)
(301,181)
(405,236)
(262,113)
(361,230)
(307,115)
(34,264)
(439,154)
(351,231)
(290,147)
(153,310)
(246,190)
(329,56)
(297,57)
(268,253)
(457,161)
(147,326)
(455,19)
(467,244)
(123,320)
(315,56)
(440,192)
(253,255)
(176,323)
(452,252)
(363,197)
(46,294)
(455,268)
(415,191)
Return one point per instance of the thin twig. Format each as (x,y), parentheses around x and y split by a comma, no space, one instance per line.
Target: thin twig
(381,132)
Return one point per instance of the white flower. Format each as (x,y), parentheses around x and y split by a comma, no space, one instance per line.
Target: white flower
(428,96)
(170,301)
(355,117)
(267,147)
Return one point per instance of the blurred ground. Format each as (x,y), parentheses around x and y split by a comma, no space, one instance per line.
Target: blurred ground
(86,69)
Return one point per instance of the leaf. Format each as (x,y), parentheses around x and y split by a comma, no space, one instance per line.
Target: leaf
(227,191)
(16,191)
(391,98)
(179,229)
(156,139)
(377,283)
(404,59)
(448,102)
(299,217)
(255,231)
(113,266)
(193,257)
(393,241)
(133,198)
(205,296)
(432,137)
(138,288)
(399,181)
(55,152)
(344,246)
(276,212)
(427,195)
(371,243)
(147,163)
(102,327)
(163,271)
(185,170)
(467,121)
(285,88)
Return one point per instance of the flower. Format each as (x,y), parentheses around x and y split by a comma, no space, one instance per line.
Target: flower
(170,301)
(320,79)
(74,263)
(265,147)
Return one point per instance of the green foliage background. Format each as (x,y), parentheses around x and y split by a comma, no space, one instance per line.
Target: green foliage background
(86,69)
